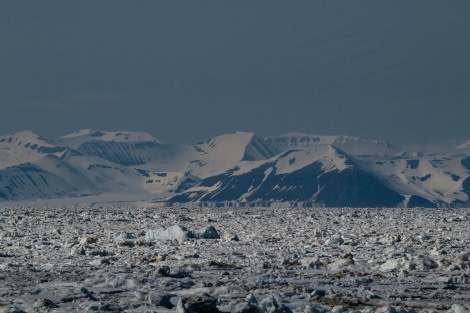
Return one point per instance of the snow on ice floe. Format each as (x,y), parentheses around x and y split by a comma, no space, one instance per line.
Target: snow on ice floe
(146,259)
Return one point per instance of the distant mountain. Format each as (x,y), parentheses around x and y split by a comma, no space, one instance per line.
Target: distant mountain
(324,175)
(222,153)
(353,145)
(86,135)
(240,167)
(23,147)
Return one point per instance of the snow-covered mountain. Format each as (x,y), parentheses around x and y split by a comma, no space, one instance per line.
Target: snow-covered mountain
(25,146)
(352,145)
(323,175)
(299,168)
(74,140)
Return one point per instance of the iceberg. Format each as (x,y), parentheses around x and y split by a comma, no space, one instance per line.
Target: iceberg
(170,233)
(209,232)
(121,236)
(181,232)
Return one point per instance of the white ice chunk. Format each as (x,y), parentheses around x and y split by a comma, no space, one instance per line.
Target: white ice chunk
(170,233)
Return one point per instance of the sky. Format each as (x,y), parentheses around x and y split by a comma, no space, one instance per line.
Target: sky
(188,70)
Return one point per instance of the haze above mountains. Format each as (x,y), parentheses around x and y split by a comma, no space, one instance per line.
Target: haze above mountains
(240,167)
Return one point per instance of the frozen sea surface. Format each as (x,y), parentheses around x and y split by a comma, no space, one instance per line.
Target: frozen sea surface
(266,260)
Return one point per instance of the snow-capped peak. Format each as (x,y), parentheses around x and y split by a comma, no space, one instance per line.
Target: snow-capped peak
(23,147)
(221,153)
(25,137)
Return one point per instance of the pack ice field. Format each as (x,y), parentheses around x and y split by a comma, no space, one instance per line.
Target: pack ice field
(145,259)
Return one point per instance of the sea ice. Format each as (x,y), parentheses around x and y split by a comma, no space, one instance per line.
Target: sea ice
(281,261)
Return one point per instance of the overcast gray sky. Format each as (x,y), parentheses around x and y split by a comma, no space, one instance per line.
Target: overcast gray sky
(187,70)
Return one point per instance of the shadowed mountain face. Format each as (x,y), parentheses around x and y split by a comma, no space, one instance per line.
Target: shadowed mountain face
(310,184)
(356,188)
(332,171)
(30,181)
(123,153)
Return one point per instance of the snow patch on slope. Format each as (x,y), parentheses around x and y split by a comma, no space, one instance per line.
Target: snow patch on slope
(253,189)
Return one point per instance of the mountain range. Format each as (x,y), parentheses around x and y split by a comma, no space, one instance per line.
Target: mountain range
(237,168)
